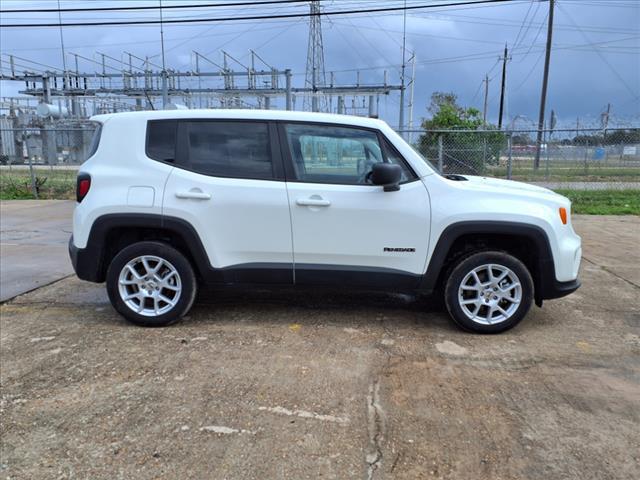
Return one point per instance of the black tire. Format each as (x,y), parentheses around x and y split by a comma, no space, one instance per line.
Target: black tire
(187,278)
(465,266)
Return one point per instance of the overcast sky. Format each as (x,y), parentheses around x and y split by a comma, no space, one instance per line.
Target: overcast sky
(595,60)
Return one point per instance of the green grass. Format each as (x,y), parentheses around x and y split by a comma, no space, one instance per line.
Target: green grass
(60,185)
(54,184)
(569,174)
(604,202)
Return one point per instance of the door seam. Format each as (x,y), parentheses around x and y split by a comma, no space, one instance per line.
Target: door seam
(164,191)
(293,250)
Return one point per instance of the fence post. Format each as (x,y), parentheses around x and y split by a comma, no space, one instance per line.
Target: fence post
(509,156)
(586,156)
(548,144)
(484,153)
(440,154)
(34,188)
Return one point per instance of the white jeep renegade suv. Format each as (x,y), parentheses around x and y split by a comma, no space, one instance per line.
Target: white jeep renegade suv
(170,200)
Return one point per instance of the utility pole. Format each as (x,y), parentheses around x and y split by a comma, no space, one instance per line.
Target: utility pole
(64,61)
(504,78)
(411,94)
(315,76)
(165,91)
(605,122)
(545,81)
(402,85)
(199,80)
(486,99)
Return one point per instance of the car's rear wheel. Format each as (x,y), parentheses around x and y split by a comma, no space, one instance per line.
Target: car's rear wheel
(151,284)
(489,292)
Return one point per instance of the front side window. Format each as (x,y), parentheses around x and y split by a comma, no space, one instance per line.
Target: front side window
(334,154)
(229,149)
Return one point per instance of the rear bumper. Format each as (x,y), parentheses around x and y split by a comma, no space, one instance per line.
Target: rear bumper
(85,263)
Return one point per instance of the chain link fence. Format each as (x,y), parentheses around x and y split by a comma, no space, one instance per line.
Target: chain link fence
(43,162)
(587,159)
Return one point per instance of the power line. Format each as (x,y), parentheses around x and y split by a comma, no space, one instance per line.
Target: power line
(202,34)
(608,3)
(258,17)
(147,7)
(524,20)
(526,31)
(31,61)
(420,34)
(385,31)
(528,77)
(173,39)
(366,39)
(515,24)
(602,57)
(535,39)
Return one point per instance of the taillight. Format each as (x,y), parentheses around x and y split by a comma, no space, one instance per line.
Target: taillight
(83,184)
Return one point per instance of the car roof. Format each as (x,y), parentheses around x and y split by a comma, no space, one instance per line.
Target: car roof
(240,114)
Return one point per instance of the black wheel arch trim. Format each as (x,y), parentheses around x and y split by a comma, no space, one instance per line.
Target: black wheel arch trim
(89,262)
(545,284)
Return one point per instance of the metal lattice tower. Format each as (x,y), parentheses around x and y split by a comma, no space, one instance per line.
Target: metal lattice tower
(315,77)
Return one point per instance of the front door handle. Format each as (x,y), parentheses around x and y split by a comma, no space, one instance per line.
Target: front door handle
(313,202)
(194,194)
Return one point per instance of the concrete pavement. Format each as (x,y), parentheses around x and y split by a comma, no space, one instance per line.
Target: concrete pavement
(33,244)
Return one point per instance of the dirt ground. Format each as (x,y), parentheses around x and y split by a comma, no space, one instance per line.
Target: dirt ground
(309,385)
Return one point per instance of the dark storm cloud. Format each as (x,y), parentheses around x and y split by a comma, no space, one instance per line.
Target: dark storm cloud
(596,56)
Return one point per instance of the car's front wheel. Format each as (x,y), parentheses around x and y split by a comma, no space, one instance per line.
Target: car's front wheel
(151,284)
(489,292)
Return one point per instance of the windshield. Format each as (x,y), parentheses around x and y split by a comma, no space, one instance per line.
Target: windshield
(424,159)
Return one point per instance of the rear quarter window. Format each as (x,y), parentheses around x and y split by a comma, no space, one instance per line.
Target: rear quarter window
(95,141)
(161,140)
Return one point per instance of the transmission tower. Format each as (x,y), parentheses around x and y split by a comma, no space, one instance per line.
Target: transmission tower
(315,77)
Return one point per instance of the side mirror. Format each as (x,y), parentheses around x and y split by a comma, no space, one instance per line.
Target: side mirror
(386,174)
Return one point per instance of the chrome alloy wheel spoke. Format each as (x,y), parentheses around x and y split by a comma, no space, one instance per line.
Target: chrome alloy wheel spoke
(490,294)
(149,285)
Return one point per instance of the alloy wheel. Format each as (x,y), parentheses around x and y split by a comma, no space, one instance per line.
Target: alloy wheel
(490,294)
(149,285)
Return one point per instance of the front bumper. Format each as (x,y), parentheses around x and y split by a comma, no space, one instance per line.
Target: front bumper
(548,288)
(557,289)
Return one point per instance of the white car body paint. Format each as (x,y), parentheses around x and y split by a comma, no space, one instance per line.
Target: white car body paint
(257,221)
(244,221)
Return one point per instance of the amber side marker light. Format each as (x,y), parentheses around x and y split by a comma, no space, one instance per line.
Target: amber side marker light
(563,215)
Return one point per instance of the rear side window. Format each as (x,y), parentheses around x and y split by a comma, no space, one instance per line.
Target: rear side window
(95,141)
(161,140)
(229,149)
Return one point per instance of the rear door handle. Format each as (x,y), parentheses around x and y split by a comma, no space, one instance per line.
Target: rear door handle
(313,202)
(194,194)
